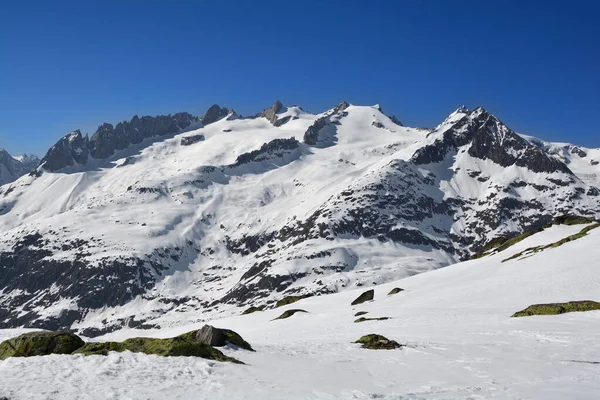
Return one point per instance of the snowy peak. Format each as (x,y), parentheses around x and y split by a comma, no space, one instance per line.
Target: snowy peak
(215,113)
(11,168)
(271,113)
(486,137)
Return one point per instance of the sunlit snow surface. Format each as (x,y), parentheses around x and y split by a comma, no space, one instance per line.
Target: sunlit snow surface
(455,321)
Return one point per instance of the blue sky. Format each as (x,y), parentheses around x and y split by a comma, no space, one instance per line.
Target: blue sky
(75,64)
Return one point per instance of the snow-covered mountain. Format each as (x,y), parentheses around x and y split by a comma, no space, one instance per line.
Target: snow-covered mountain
(11,168)
(198,217)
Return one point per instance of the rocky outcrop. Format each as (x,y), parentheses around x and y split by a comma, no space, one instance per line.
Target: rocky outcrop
(107,139)
(312,135)
(271,112)
(274,148)
(215,113)
(40,344)
(75,149)
(189,140)
(221,337)
(378,342)
(396,120)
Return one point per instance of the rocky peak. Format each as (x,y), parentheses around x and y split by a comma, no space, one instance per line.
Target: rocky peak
(489,139)
(271,112)
(70,149)
(75,148)
(214,113)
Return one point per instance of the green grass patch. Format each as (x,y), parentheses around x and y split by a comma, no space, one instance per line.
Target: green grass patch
(533,250)
(289,313)
(363,319)
(290,299)
(253,310)
(558,308)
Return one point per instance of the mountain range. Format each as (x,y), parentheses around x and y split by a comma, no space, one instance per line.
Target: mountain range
(206,216)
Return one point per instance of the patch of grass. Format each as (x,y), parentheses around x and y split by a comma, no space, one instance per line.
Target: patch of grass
(558,308)
(502,243)
(288,314)
(253,310)
(395,291)
(358,314)
(378,342)
(363,319)
(568,239)
(364,297)
(235,339)
(290,299)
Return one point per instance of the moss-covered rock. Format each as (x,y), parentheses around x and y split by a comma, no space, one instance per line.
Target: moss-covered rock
(40,344)
(291,299)
(178,346)
(220,337)
(363,319)
(358,314)
(289,313)
(378,342)
(558,308)
(364,297)
(395,291)
(253,310)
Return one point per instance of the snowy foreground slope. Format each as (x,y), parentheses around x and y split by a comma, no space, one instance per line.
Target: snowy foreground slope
(204,217)
(455,321)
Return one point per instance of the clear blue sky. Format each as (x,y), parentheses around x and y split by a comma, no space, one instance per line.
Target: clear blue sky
(74,64)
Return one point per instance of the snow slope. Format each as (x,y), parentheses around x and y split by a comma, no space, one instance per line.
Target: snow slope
(455,321)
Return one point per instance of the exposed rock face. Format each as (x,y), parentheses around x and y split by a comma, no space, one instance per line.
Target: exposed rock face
(107,139)
(274,148)
(396,120)
(189,140)
(271,112)
(12,168)
(220,337)
(76,149)
(489,139)
(214,113)
(312,135)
